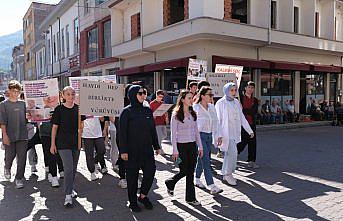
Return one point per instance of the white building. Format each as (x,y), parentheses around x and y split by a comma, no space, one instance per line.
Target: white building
(292,49)
(61,30)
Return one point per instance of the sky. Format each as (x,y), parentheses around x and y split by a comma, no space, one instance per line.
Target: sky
(12,12)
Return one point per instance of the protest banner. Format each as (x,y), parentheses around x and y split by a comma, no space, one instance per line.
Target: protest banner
(162,109)
(196,70)
(230,69)
(41,97)
(217,82)
(75,83)
(100,98)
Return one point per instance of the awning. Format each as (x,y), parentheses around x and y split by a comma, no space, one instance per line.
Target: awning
(176,63)
(159,66)
(240,61)
(284,65)
(326,68)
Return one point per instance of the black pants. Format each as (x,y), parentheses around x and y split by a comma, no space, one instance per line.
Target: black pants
(147,165)
(188,153)
(97,144)
(122,167)
(33,142)
(53,160)
(251,142)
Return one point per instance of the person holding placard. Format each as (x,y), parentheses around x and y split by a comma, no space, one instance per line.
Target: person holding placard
(14,133)
(187,146)
(160,121)
(137,140)
(64,139)
(231,120)
(207,122)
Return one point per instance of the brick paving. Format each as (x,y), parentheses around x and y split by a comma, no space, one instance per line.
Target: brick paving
(300,179)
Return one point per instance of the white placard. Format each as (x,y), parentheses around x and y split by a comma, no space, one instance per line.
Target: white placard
(217,82)
(197,70)
(230,69)
(101,99)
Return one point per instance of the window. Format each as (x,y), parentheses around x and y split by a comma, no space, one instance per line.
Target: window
(92,45)
(54,48)
(67,41)
(107,40)
(240,10)
(99,2)
(177,13)
(316,31)
(296,20)
(273,15)
(76,36)
(62,44)
(135,26)
(86,6)
(58,45)
(49,51)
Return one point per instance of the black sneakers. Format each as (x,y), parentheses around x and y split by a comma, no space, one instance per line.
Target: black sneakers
(146,202)
(135,208)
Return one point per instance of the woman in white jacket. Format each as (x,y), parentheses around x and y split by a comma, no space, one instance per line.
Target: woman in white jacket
(231,119)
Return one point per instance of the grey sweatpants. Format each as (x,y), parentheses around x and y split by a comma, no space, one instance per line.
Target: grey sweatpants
(114,154)
(91,145)
(16,149)
(70,158)
(161,133)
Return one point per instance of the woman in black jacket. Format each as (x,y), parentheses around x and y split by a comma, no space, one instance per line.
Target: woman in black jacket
(137,139)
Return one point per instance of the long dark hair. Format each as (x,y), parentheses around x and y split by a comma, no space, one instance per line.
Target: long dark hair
(178,110)
(202,92)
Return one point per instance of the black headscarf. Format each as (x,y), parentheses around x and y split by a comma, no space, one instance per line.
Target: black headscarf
(132,94)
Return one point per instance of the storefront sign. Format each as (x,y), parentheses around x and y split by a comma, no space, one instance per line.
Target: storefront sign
(162,109)
(75,82)
(217,82)
(197,70)
(101,99)
(230,69)
(41,97)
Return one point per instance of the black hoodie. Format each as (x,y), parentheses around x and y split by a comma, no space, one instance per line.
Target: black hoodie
(137,133)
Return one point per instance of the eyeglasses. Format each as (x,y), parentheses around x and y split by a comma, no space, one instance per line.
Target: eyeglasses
(140,93)
(210,95)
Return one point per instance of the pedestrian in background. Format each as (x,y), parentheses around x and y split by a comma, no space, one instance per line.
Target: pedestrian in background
(64,139)
(138,138)
(14,132)
(207,122)
(231,119)
(186,142)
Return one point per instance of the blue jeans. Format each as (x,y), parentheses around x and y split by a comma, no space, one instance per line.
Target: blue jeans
(204,163)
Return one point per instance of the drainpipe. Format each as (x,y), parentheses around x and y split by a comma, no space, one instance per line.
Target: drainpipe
(269,22)
(52,52)
(59,43)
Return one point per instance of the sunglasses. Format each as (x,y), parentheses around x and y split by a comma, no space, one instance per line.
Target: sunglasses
(140,93)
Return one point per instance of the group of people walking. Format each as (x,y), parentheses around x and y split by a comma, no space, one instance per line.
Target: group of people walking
(197,125)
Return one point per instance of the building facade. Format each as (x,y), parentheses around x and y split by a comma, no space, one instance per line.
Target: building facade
(95,39)
(292,49)
(17,65)
(61,31)
(34,16)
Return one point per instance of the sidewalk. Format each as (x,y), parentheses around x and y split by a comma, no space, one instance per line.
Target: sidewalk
(300,179)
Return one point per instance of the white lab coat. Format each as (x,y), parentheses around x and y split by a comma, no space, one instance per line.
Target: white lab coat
(231,119)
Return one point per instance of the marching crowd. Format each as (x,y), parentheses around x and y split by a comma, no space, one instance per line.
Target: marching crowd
(197,123)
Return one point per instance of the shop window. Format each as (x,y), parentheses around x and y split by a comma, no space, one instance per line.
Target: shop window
(174,81)
(146,79)
(246,77)
(333,87)
(240,10)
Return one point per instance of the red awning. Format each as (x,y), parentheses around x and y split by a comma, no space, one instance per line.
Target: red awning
(177,63)
(283,65)
(130,71)
(240,61)
(326,68)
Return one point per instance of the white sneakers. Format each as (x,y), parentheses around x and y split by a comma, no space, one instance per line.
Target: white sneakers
(122,183)
(139,184)
(54,182)
(104,170)
(46,169)
(49,177)
(19,184)
(253,165)
(230,180)
(94,176)
(62,174)
(7,174)
(199,184)
(68,202)
(214,189)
